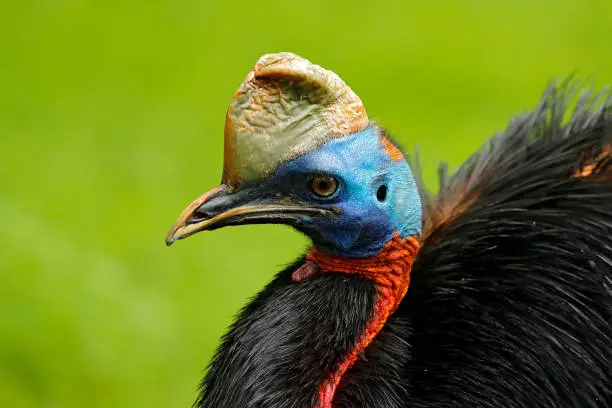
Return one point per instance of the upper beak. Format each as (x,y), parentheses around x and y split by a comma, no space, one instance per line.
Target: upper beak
(219,208)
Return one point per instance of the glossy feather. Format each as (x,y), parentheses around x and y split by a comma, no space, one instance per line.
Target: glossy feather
(511,297)
(510,303)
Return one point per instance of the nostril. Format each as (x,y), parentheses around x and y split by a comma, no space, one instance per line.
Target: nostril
(200,215)
(213,205)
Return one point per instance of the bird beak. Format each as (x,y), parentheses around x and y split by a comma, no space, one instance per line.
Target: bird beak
(220,208)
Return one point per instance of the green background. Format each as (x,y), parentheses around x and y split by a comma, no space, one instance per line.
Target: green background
(111,121)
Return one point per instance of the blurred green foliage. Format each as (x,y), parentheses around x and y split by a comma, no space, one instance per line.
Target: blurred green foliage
(111,120)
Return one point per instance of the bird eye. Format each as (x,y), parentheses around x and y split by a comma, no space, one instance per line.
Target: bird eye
(324,186)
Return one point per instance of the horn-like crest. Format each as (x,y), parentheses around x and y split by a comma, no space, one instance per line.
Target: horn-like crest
(285,107)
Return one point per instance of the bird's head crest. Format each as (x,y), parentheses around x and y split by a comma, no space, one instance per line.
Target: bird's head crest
(285,107)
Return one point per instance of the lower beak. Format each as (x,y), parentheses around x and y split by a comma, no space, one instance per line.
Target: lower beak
(219,208)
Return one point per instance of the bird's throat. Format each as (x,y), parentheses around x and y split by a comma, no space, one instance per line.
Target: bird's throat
(390,270)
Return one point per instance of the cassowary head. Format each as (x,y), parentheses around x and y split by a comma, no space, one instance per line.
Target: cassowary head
(300,150)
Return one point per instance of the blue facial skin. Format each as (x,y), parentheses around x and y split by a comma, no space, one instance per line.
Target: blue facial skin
(360,165)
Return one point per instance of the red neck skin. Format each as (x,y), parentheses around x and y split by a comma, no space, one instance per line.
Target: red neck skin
(389,269)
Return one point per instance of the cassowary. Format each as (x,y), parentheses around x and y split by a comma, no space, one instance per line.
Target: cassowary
(496,292)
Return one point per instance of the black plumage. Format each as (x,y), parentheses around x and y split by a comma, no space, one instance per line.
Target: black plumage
(511,296)
(510,303)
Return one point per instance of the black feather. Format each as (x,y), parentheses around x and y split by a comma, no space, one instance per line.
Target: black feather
(510,303)
(510,300)
(286,340)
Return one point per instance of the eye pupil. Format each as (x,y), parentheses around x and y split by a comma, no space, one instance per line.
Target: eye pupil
(381,193)
(324,186)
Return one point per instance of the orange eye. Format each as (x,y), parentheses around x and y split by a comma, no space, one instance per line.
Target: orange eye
(324,186)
